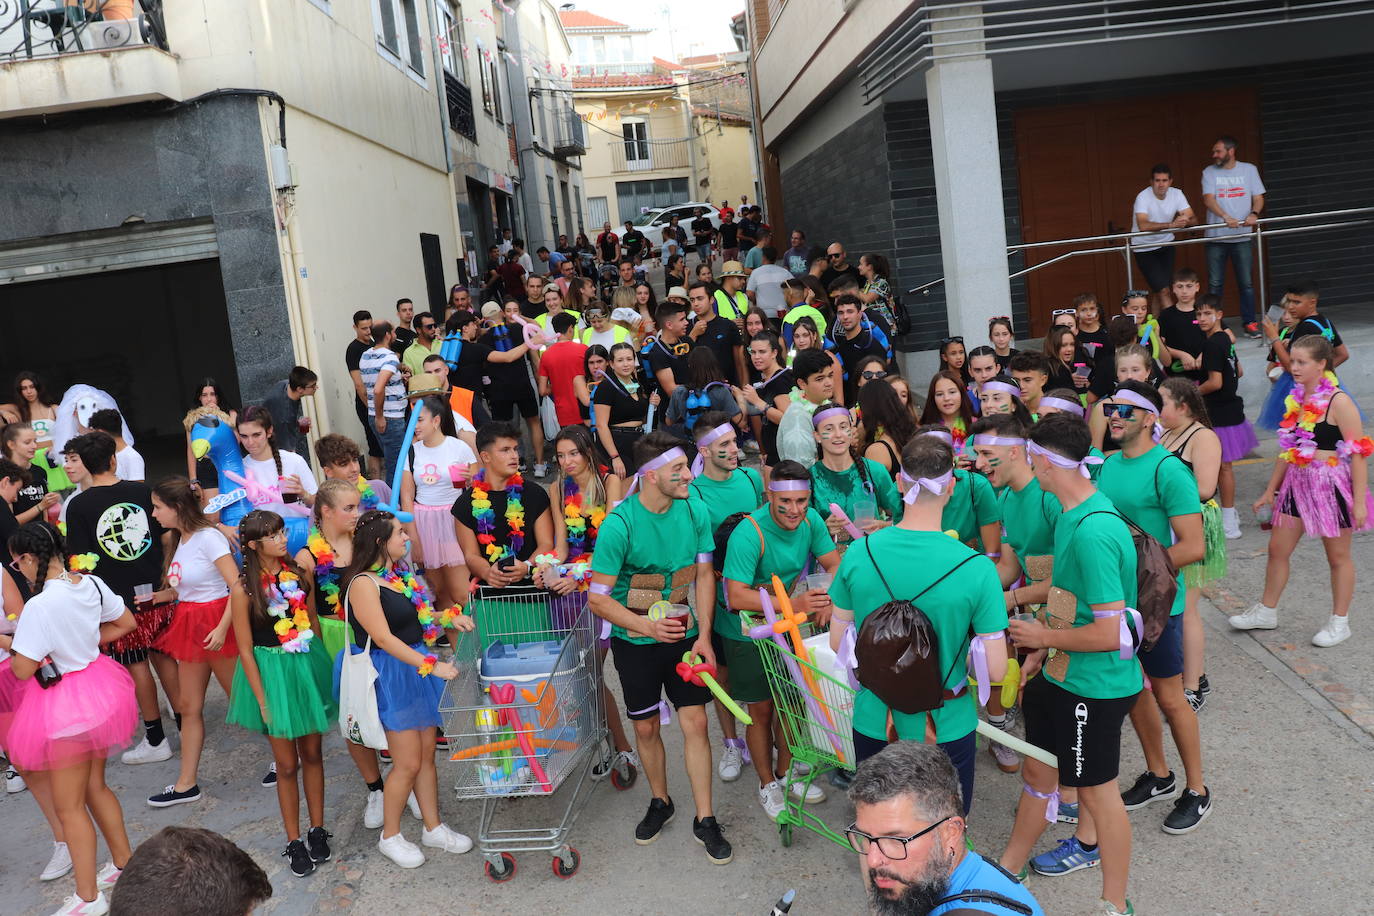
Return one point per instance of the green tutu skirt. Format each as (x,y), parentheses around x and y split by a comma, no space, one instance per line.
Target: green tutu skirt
(299,687)
(334,633)
(1212,566)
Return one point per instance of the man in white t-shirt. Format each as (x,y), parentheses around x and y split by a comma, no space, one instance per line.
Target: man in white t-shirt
(1161,206)
(128,463)
(1234,196)
(765,283)
(380,368)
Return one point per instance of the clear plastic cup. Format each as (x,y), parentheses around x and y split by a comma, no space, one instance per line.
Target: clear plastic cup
(865,510)
(819,582)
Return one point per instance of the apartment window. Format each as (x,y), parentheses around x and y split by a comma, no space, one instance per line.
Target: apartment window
(497,68)
(398,31)
(452,42)
(553,206)
(577,216)
(636,138)
(484,73)
(627,48)
(598,213)
(599,49)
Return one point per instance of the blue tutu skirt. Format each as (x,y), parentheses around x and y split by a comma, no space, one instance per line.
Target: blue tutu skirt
(405,701)
(1272,411)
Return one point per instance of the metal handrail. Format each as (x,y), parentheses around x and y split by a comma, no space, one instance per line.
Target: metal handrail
(1125,249)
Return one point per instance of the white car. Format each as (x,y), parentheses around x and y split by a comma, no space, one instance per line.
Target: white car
(652,222)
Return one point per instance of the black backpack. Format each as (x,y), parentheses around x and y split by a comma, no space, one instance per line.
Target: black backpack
(721,538)
(900,315)
(898,651)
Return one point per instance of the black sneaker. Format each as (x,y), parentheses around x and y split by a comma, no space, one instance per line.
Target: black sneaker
(1196,698)
(441,743)
(317,841)
(708,834)
(1189,811)
(655,819)
(1149,788)
(301,863)
(170,796)
(270,780)
(1203,687)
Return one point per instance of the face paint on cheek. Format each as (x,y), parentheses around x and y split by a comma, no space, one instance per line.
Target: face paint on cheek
(994,462)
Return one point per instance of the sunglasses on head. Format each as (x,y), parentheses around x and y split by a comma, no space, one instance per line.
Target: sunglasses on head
(946,341)
(1134,294)
(1119,411)
(1057,312)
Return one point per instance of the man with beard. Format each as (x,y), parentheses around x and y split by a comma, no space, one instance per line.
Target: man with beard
(909,832)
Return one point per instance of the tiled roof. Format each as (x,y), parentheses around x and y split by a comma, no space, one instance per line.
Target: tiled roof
(581,19)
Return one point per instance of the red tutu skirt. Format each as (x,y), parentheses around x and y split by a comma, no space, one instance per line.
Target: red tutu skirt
(88,715)
(192,621)
(132,648)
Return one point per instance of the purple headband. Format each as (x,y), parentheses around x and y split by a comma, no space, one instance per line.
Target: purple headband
(821,416)
(943,435)
(1136,400)
(936,485)
(1072,407)
(787,486)
(699,462)
(666,458)
(994,385)
(1060,461)
(989,439)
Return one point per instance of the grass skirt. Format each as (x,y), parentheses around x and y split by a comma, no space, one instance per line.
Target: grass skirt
(1213,564)
(192,621)
(299,692)
(1318,497)
(405,701)
(88,715)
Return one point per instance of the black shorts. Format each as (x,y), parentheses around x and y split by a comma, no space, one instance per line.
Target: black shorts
(1165,659)
(503,409)
(1157,266)
(1084,734)
(374,445)
(648,671)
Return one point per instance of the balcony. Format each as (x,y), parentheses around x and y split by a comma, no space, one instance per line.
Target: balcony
(648,156)
(101,53)
(460,114)
(613,69)
(570,135)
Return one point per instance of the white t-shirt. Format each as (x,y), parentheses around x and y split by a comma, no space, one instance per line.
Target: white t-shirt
(606,338)
(766,285)
(1156,211)
(462,423)
(63,622)
(265,472)
(193,573)
(129,464)
(1234,190)
(430,468)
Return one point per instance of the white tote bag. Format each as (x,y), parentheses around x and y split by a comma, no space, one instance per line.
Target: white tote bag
(358,718)
(548,414)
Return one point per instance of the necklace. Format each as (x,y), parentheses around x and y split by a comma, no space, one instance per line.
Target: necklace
(326,572)
(418,593)
(286,602)
(581,524)
(958,432)
(368,495)
(485,517)
(1297,441)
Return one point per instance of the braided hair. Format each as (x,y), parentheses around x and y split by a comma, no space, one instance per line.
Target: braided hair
(256,526)
(41,540)
(263,417)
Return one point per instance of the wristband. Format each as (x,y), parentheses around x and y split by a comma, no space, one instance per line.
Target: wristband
(427,665)
(600,588)
(994,556)
(545,559)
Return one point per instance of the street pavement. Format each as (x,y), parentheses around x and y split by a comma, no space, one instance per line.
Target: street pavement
(1288,736)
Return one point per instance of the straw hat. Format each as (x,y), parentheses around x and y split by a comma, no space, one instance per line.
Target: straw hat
(491,310)
(733,269)
(677,292)
(423,385)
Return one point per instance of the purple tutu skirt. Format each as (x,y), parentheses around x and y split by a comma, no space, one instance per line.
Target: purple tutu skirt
(88,715)
(1236,441)
(1318,498)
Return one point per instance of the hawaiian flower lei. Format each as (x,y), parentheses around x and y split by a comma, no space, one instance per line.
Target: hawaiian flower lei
(1297,441)
(958,432)
(326,572)
(416,590)
(368,495)
(82,562)
(581,525)
(485,516)
(286,601)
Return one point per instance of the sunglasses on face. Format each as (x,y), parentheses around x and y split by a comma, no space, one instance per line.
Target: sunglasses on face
(428,327)
(834,255)
(1119,411)
(874,373)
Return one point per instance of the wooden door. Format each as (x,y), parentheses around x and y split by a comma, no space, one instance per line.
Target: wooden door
(1081,166)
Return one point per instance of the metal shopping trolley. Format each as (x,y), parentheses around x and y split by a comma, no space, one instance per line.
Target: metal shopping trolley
(524,718)
(816,710)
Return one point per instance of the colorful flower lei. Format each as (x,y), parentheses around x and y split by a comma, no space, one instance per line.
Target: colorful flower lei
(958,432)
(485,517)
(286,601)
(418,593)
(82,562)
(580,524)
(367,496)
(326,572)
(1297,441)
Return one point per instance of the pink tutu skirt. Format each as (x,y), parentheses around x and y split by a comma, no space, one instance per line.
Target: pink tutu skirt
(438,542)
(10,689)
(1318,497)
(89,714)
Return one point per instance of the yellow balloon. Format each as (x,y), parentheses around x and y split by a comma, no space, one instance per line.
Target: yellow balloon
(1010,684)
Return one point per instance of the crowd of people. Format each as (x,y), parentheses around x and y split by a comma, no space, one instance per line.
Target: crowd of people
(1019,478)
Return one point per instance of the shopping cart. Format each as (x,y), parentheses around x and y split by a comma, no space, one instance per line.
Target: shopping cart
(816,711)
(525,718)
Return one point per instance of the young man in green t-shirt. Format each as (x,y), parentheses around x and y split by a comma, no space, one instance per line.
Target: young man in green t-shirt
(656,547)
(971,511)
(1152,487)
(781,539)
(1075,708)
(957,588)
(723,488)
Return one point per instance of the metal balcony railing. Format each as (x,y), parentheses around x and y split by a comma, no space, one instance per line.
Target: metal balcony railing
(460,113)
(48,28)
(570,135)
(648,155)
(609,69)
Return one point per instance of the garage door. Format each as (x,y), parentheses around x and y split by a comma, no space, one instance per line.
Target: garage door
(76,254)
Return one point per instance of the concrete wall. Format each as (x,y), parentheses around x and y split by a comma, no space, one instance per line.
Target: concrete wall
(725,154)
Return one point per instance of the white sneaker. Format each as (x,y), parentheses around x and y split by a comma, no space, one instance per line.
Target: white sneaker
(372,811)
(147,753)
(771,800)
(59,865)
(541,469)
(75,906)
(445,838)
(108,877)
(14,783)
(1336,631)
(414,804)
(813,794)
(1258,617)
(1230,523)
(731,762)
(401,851)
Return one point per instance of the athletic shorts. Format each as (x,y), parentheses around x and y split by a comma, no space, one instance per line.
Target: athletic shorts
(1157,266)
(718,647)
(747,681)
(1166,658)
(1085,734)
(503,409)
(648,671)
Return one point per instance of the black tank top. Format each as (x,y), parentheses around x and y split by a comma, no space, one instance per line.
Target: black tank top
(264,634)
(400,614)
(1182,447)
(1325,433)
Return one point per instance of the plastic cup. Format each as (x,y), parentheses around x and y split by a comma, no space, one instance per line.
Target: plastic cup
(303,424)
(819,582)
(865,510)
(681,612)
(458,474)
(1025,617)
(143,596)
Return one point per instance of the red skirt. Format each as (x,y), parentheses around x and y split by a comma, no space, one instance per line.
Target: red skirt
(192,621)
(132,648)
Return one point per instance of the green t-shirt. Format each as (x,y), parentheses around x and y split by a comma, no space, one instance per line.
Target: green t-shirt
(786,555)
(844,487)
(1094,558)
(742,491)
(971,506)
(634,540)
(1149,490)
(1028,519)
(969,599)
(1095,470)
